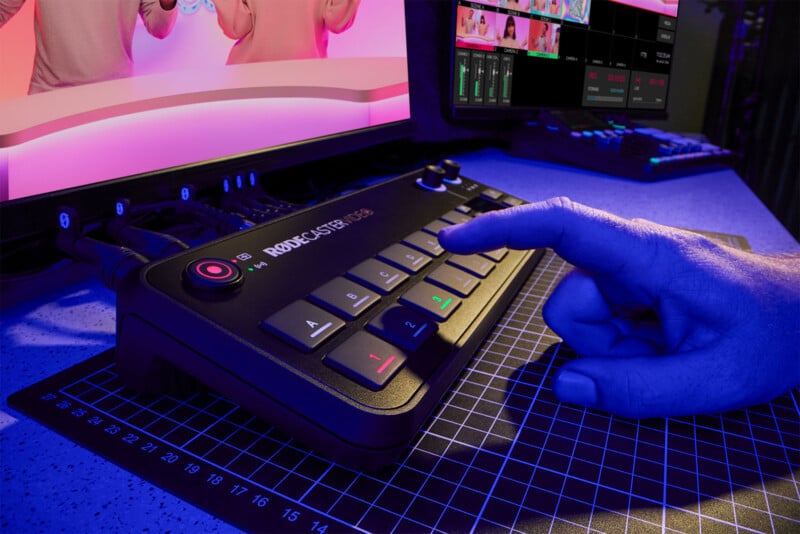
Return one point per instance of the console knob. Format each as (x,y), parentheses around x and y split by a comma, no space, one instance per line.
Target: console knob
(451,170)
(432,177)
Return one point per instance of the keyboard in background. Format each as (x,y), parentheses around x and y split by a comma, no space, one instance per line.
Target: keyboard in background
(617,148)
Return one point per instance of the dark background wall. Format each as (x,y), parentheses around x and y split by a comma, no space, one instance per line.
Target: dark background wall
(754,103)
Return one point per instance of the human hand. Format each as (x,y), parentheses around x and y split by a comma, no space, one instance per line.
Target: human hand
(668,322)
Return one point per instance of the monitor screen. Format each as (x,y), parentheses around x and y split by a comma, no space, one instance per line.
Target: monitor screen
(509,57)
(95,93)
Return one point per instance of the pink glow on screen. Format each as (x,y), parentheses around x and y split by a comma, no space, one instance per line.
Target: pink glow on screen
(163,138)
(196,41)
(196,129)
(476,28)
(522,27)
(664,7)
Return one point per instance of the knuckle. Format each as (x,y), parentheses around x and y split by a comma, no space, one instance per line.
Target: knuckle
(560,203)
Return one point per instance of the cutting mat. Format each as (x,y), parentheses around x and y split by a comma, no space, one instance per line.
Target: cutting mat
(500,454)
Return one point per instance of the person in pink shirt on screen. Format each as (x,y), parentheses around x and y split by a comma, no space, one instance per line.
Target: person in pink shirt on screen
(269,30)
(86,41)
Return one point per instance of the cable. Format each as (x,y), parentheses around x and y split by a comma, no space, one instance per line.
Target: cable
(151,244)
(113,263)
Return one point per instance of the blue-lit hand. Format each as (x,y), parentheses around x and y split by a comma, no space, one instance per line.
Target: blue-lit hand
(669,322)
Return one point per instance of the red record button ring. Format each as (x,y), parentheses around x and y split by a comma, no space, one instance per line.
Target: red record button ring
(213,274)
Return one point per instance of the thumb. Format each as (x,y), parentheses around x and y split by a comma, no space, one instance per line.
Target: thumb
(654,386)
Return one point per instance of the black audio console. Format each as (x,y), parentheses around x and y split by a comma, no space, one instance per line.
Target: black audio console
(343,324)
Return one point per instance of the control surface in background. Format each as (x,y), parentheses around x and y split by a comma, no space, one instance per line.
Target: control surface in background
(573,75)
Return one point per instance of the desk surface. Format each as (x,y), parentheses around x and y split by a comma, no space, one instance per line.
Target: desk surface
(51,484)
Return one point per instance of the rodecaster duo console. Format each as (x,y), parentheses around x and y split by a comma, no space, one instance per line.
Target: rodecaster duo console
(343,324)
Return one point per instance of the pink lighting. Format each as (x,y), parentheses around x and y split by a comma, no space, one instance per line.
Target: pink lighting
(163,138)
(185,106)
(664,7)
(196,42)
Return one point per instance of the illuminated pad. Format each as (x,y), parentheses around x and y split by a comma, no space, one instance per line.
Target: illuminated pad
(378,275)
(496,255)
(425,242)
(368,360)
(303,324)
(432,300)
(456,216)
(403,326)
(473,263)
(345,298)
(459,282)
(407,259)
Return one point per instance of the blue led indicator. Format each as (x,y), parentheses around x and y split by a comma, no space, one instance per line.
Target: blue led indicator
(252,179)
(185,193)
(226,185)
(239,181)
(64,220)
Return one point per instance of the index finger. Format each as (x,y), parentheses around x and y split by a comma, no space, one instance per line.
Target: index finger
(588,238)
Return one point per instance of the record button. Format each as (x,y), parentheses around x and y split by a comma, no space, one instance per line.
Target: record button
(213,274)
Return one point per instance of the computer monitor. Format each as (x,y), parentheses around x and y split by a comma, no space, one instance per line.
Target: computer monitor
(512,59)
(186,115)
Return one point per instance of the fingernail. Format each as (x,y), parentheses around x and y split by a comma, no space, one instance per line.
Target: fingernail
(575,388)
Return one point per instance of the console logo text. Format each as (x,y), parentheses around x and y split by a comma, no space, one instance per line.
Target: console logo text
(312,234)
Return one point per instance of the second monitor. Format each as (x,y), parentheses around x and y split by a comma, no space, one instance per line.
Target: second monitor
(598,55)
